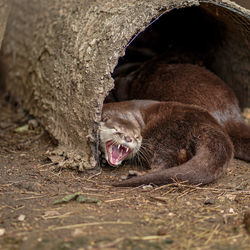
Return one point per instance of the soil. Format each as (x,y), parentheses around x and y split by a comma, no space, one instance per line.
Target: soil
(176,216)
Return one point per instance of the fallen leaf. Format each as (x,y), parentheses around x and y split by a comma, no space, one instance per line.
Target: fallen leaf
(22,129)
(85,199)
(67,198)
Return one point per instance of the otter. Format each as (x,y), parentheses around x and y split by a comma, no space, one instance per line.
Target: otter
(189,132)
(188,84)
(161,133)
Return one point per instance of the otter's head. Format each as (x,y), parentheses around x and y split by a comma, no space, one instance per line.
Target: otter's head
(120,137)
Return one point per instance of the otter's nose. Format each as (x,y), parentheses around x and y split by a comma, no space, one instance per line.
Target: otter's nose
(127,139)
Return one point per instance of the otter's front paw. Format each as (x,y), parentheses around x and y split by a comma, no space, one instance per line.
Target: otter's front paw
(131,174)
(182,156)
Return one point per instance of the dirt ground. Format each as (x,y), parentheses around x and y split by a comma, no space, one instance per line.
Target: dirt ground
(175,216)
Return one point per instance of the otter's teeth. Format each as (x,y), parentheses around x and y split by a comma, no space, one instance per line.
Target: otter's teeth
(127,150)
(119,146)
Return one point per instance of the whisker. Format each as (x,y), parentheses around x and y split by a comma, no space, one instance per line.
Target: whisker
(138,160)
(146,150)
(145,154)
(143,157)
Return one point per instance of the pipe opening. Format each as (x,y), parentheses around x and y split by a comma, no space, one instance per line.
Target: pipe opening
(207,35)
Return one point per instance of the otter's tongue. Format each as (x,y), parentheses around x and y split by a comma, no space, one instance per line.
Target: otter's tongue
(116,153)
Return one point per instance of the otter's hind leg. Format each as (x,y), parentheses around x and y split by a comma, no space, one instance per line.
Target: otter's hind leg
(213,153)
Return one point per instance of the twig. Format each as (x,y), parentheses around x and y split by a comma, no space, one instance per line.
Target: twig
(169,191)
(212,234)
(159,199)
(110,244)
(47,164)
(56,216)
(90,224)
(93,176)
(150,237)
(118,199)
(32,197)
(115,242)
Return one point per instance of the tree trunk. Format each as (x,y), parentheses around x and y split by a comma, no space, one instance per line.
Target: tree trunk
(61,53)
(4,13)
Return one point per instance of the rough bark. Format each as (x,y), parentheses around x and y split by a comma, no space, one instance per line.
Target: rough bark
(4,13)
(243,3)
(60,55)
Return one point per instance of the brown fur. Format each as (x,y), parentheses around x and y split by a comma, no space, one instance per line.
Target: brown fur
(189,84)
(122,125)
(170,128)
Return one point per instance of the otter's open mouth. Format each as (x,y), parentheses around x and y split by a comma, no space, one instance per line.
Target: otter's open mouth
(116,153)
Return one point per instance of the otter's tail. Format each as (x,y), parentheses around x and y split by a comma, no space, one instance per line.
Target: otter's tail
(240,136)
(214,152)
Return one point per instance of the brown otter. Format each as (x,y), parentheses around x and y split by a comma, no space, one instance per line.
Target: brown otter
(189,84)
(194,137)
(161,132)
